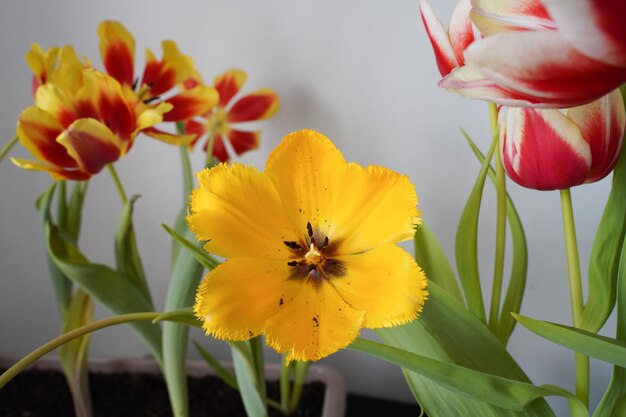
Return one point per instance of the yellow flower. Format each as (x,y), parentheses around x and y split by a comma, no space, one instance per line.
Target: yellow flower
(311,248)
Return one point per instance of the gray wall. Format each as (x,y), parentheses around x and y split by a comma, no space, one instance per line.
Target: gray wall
(361,72)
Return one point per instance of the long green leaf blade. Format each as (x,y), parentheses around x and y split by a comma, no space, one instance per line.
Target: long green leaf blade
(245,372)
(466,244)
(107,286)
(600,347)
(432,259)
(127,257)
(502,392)
(519,266)
(222,372)
(199,254)
(447,332)
(605,253)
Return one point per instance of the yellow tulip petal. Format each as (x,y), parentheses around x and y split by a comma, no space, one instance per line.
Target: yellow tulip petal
(57,173)
(69,72)
(315,324)
(37,131)
(237,209)
(305,168)
(57,102)
(41,62)
(236,298)
(166,137)
(376,206)
(384,282)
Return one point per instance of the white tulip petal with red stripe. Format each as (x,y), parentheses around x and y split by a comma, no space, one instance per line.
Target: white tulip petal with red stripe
(444,53)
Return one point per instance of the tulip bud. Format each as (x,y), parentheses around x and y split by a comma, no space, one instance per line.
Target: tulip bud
(557,149)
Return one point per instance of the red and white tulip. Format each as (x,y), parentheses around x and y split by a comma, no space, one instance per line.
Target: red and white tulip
(548,149)
(550,54)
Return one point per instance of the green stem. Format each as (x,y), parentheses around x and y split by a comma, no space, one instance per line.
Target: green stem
(576,293)
(285,384)
(498,266)
(48,347)
(208,162)
(6,148)
(118,184)
(300,371)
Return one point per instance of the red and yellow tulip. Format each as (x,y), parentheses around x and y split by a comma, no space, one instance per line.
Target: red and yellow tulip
(547,149)
(221,121)
(542,54)
(159,78)
(74,134)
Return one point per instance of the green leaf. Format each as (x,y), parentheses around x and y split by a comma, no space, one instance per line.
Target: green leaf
(222,372)
(111,288)
(613,403)
(519,267)
(180,225)
(186,275)
(61,285)
(502,392)
(466,244)
(600,347)
(432,259)
(75,209)
(127,258)
(245,372)
(447,332)
(74,354)
(199,254)
(605,253)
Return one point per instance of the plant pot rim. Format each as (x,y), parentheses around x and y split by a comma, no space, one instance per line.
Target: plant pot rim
(335,394)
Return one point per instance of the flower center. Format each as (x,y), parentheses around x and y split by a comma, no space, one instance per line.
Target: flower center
(313,255)
(314,262)
(217,122)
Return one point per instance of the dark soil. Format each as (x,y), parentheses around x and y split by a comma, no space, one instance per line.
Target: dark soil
(45,394)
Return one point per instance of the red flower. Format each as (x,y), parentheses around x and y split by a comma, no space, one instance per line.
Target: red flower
(549,149)
(220,122)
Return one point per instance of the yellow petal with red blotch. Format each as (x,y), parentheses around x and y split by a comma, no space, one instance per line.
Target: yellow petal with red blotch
(228,84)
(101,97)
(315,324)
(161,76)
(117,49)
(55,172)
(260,105)
(57,102)
(191,103)
(373,206)
(37,131)
(236,298)
(169,138)
(91,144)
(238,210)
(304,169)
(41,62)
(385,283)
(148,117)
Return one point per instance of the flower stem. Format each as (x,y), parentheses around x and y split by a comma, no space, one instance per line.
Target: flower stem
(576,294)
(6,148)
(285,384)
(498,266)
(300,372)
(118,184)
(36,354)
(209,149)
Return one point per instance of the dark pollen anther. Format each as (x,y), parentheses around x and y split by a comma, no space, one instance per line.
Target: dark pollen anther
(309,229)
(325,242)
(292,263)
(292,245)
(311,267)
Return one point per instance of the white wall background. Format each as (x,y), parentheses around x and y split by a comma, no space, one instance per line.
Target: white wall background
(361,72)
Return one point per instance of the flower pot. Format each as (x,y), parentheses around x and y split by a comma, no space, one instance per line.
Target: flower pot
(334,398)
